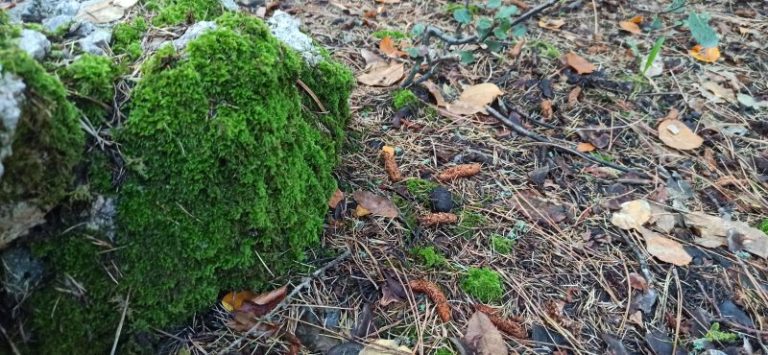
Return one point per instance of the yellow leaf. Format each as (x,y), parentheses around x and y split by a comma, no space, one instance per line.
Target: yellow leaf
(707,55)
(234,300)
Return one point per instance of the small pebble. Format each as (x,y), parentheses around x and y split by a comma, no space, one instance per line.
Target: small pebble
(441,200)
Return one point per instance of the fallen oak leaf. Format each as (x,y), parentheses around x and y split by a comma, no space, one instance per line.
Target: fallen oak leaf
(383,76)
(434,219)
(375,204)
(579,64)
(459,171)
(677,135)
(633,214)
(483,336)
(337,197)
(474,99)
(436,295)
(387,46)
(551,24)
(665,249)
(506,325)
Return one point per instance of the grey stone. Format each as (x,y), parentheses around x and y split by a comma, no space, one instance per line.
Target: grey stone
(230,5)
(53,24)
(102,216)
(22,271)
(82,29)
(286,28)
(34,43)
(11,99)
(68,8)
(193,32)
(97,41)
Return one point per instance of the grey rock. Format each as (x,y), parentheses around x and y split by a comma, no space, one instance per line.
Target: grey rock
(17,218)
(193,32)
(230,5)
(22,271)
(68,8)
(52,24)
(82,29)
(11,99)
(286,28)
(102,216)
(34,43)
(97,41)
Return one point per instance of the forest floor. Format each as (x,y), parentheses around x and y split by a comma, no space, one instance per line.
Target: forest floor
(685,146)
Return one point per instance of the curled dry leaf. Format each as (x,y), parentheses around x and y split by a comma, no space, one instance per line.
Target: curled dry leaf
(434,219)
(234,300)
(677,135)
(551,24)
(436,295)
(631,27)
(474,99)
(375,204)
(390,165)
(633,214)
(387,46)
(337,197)
(585,147)
(436,93)
(707,55)
(665,249)
(546,109)
(579,64)
(383,75)
(515,51)
(459,171)
(484,337)
(638,282)
(506,325)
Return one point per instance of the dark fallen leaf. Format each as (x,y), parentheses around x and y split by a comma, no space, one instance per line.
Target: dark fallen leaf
(539,209)
(545,85)
(364,325)
(350,348)
(543,335)
(701,323)
(661,344)
(614,346)
(397,118)
(311,333)
(638,282)
(733,313)
(643,301)
(392,291)
(264,303)
(539,175)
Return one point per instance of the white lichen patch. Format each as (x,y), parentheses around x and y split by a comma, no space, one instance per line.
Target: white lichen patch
(286,28)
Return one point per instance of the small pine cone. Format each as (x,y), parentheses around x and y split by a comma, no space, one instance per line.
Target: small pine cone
(506,325)
(434,219)
(459,171)
(436,295)
(390,165)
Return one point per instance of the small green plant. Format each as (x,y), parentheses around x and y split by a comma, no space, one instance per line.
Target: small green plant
(602,156)
(548,49)
(444,351)
(394,34)
(714,334)
(764,226)
(468,222)
(502,244)
(483,284)
(430,257)
(655,50)
(420,188)
(127,38)
(404,97)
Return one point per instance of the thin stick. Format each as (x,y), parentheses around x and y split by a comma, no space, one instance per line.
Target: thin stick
(120,325)
(304,283)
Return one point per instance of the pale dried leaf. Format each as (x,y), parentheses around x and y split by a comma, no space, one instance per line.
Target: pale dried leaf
(436,93)
(372,60)
(579,64)
(551,24)
(104,11)
(716,93)
(713,232)
(631,27)
(633,214)
(677,135)
(375,204)
(474,99)
(385,347)
(383,76)
(665,249)
(484,337)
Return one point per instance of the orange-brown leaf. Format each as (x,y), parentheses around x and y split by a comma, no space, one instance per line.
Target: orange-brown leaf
(434,219)
(707,55)
(372,203)
(506,325)
(436,295)
(579,64)
(234,300)
(517,48)
(637,19)
(459,171)
(546,109)
(630,26)
(573,97)
(335,199)
(585,147)
(387,46)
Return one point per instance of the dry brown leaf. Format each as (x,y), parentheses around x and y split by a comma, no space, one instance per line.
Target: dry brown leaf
(573,97)
(546,109)
(337,197)
(506,325)
(716,93)
(637,19)
(638,282)
(474,99)
(436,295)
(390,164)
(520,4)
(707,55)
(434,219)
(551,24)
(631,27)
(387,46)
(665,249)
(234,300)
(633,214)
(517,48)
(579,64)
(677,135)
(104,11)
(375,204)
(713,232)
(383,76)
(585,147)
(483,337)
(385,347)
(436,93)
(636,319)
(459,171)
(361,211)
(372,59)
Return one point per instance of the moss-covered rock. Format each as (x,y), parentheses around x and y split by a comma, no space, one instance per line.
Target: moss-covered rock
(229,173)
(91,78)
(40,143)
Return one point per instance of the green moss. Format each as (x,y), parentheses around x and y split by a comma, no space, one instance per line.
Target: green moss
(764,226)
(714,334)
(406,211)
(48,141)
(91,78)
(548,49)
(502,244)
(444,351)
(175,12)
(420,188)
(394,34)
(127,38)
(469,222)
(404,97)
(602,156)
(430,257)
(483,284)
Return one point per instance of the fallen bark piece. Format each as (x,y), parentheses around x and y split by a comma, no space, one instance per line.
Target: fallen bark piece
(436,295)
(434,219)
(390,164)
(459,171)
(506,325)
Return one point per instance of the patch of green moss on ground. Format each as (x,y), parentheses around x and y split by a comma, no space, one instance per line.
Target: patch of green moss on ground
(764,226)
(91,78)
(48,139)
(714,334)
(175,12)
(430,257)
(483,284)
(404,97)
(469,222)
(235,169)
(127,38)
(420,188)
(394,34)
(502,244)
